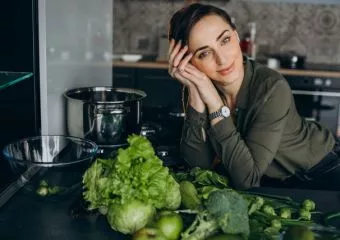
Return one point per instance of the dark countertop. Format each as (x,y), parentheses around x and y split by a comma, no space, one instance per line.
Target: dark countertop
(30,218)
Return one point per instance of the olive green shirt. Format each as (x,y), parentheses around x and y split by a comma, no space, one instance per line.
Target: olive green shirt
(268,136)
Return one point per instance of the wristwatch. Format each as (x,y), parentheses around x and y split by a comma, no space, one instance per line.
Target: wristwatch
(224,111)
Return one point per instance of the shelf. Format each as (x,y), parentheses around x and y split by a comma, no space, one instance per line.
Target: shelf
(10,78)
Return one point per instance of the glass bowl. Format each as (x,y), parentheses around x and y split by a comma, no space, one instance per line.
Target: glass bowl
(50,165)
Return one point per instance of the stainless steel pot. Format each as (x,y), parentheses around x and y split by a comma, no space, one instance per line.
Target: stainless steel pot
(104,115)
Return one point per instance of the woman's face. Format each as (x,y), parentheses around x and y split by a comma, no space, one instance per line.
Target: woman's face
(216,50)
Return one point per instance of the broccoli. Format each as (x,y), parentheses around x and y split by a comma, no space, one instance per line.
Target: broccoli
(203,226)
(308,205)
(230,210)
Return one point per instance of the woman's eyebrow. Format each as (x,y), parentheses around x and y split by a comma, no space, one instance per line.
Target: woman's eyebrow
(203,47)
(219,36)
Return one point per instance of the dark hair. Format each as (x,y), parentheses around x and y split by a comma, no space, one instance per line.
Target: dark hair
(183,20)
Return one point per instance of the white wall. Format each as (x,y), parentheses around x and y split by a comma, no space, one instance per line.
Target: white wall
(73,37)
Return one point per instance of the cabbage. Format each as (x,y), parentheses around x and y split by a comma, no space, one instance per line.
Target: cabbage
(129,217)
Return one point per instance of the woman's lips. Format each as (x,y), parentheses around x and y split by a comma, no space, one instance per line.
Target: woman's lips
(227,70)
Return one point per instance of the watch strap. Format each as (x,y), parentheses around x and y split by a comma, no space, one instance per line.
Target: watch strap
(222,112)
(214,115)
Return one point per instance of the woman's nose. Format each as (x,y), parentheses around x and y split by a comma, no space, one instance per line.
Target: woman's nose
(221,59)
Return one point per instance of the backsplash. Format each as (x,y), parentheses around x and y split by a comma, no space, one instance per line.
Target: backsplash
(308,29)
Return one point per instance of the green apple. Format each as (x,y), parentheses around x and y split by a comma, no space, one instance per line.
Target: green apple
(148,234)
(170,224)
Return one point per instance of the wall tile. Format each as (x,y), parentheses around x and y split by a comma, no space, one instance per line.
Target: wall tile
(308,29)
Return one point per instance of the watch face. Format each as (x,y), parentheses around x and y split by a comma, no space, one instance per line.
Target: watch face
(225,111)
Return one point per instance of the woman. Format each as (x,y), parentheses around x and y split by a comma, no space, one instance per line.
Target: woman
(243,113)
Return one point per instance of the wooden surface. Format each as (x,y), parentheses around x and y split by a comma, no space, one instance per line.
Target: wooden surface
(294,72)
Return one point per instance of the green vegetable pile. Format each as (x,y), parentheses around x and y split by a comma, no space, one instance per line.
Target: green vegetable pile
(220,210)
(129,188)
(141,197)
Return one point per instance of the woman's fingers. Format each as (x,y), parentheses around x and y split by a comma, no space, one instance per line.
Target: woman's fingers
(179,76)
(195,72)
(182,65)
(174,52)
(171,46)
(178,58)
(188,76)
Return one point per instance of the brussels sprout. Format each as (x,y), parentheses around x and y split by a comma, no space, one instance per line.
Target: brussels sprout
(268,210)
(309,205)
(54,190)
(285,213)
(304,214)
(259,201)
(43,183)
(42,191)
(276,224)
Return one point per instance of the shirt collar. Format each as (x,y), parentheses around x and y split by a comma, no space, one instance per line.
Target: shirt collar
(242,96)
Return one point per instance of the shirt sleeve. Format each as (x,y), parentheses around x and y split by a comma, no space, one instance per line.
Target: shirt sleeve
(246,159)
(196,150)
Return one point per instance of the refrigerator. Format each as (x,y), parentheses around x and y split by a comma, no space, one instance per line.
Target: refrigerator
(75,49)
(66,44)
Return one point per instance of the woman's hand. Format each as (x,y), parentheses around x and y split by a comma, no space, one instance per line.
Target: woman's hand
(202,90)
(205,87)
(177,65)
(178,61)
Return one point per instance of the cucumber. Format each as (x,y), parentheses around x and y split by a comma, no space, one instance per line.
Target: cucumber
(189,195)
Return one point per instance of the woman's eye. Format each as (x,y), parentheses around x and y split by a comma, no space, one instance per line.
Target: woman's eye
(203,54)
(225,40)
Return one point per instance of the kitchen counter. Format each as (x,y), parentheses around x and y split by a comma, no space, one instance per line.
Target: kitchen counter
(294,72)
(30,218)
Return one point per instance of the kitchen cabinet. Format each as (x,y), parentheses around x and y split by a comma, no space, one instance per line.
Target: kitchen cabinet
(161,89)
(124,77)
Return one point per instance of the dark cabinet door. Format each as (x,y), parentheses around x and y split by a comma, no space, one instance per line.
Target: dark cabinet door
(161,89)
(123,77)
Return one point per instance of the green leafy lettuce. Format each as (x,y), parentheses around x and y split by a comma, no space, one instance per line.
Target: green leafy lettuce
(135,174)
(130,187)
